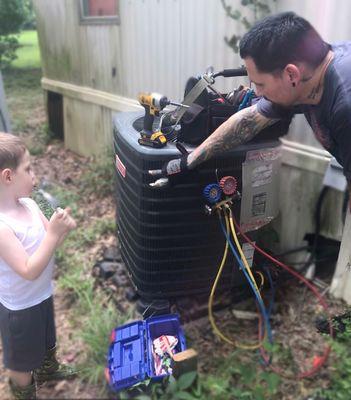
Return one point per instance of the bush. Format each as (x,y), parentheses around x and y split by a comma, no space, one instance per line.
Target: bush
(12,16)
(30,22)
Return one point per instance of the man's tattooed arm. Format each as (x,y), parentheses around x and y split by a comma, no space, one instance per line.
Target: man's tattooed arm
(238,129)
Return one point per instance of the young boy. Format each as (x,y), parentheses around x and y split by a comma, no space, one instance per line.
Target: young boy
(27,245)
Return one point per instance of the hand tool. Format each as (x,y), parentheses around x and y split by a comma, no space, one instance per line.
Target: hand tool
(153,104)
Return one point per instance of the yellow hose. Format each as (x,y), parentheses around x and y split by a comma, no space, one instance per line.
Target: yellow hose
(262,278)
(246,265)
(211,298)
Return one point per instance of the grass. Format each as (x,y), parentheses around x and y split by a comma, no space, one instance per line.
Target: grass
(93,315)
(25,104)
(340,385)
(22,78)
(99,175)
(28,54)
(24,98)
(24,95)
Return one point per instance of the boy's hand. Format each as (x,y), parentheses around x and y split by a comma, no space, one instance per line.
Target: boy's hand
(61,222)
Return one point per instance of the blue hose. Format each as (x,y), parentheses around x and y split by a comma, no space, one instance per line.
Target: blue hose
(259,300)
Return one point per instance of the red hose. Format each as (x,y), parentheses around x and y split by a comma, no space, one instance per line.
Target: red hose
(319,361)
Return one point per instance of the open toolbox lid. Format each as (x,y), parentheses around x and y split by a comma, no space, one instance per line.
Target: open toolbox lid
(129,358)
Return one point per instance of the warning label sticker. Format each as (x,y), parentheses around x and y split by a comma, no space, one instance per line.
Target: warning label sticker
(262,175)
(264,154)
(259,202)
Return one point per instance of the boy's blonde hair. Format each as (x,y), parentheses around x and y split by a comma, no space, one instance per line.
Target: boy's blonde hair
(12,150)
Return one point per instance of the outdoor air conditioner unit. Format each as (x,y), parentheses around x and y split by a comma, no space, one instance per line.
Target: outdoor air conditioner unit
(170,247)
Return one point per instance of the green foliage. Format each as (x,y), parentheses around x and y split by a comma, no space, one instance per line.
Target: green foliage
(8,47)
(183,388)
(12,16)
(340,385)
(241,380)
(234,379)
(258,9)
(29,21)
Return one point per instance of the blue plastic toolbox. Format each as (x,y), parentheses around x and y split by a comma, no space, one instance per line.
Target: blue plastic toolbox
(129,358)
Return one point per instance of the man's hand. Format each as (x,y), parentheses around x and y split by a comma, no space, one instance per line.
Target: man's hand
(170,170)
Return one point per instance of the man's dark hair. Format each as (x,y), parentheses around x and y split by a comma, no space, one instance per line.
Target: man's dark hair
(281,39)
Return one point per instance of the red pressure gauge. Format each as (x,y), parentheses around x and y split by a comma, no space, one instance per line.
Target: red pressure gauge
(228,185)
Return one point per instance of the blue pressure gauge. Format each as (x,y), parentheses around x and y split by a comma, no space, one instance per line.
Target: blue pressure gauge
(212,193)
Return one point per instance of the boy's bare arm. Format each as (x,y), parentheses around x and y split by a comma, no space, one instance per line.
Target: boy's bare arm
(31,267)
(238,129)
(13,253)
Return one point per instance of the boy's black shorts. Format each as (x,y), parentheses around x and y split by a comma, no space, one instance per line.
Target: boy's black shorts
(27,335)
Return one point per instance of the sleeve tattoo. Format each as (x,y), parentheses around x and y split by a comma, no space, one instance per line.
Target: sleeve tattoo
(238,129)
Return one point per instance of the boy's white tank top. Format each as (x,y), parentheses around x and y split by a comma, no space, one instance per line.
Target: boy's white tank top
(17,293)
